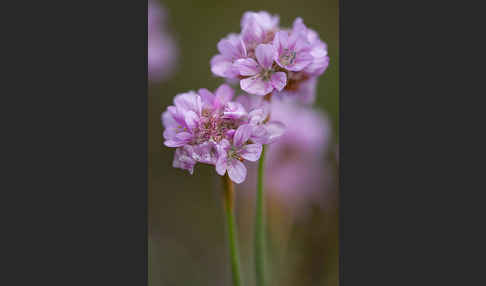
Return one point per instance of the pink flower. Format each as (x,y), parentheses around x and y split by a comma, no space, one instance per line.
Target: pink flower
(299,54)
(293,52)
(230,48)
(297,172)
(262,78)
(161,46)
(231,156)
(182,119)
(258,28)
(222,95)
(210,128)
(318,50)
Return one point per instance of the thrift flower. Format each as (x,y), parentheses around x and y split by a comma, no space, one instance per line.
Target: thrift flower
(231,48)
(266,58)
(296,170)
(231,156)
(263,79)
(210,128)
(161,46)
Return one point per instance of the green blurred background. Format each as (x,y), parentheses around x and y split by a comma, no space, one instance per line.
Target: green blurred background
(187,242)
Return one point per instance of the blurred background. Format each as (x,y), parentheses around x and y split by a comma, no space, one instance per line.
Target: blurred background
(187,235)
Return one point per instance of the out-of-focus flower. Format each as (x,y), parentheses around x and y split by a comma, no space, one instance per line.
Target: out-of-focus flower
(161,47)
(296,169)
(266,58)
(210,128)
(295,165)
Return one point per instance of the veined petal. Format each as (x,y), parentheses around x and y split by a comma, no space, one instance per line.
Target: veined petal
(252,33)
(258,115)
(224,93)
(259,134)
(302,60)
(265,54)
(242,134)
(191,119)
(234,110)
(279,80)
(236,171)
(247,66)
(221,165)
(189,101)
(280,43)
(256,85)
(275,130)
(206,96)
(167,120)
(251,152)
(222,66)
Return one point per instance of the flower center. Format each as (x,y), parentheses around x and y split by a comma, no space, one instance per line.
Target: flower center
(213,127)
(266,74)
(288,57)
(233,153)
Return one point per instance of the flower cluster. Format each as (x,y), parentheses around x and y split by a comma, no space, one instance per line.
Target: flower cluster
(161,47)
(266,58)
(211,128)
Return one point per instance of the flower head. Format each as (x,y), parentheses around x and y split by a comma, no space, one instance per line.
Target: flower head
(266,58)
(210,128)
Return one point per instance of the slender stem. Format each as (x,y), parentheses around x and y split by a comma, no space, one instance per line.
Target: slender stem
(260,225)
(229,198)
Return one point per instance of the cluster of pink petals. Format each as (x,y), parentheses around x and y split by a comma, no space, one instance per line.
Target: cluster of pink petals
(161,46)
(266,58)
(212,128)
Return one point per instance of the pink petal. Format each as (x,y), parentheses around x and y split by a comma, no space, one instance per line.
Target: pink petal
(221,165)
(247,66)
(252,33)
(259,134)
(275,130)
(258,115)
(191,119)
(265,54)
(207,96)
(256,85)
(237,171)
(167,120)
(222,66)
(189,101)
(279,80)
(234,110)
(251,152)
(227,49)
(184,136)
(173,143)
(280,42)
(224,94)
(242,134)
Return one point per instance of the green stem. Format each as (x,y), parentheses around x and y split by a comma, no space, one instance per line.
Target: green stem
(260,225)
(229,198)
